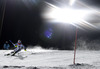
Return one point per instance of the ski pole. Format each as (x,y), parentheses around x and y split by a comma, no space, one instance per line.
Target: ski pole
(12,42)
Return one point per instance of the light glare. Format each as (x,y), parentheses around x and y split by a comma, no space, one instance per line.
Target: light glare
(66,15)
(71,2)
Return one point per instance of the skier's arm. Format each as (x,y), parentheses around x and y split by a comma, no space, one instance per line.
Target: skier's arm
(24,47)
(13,43)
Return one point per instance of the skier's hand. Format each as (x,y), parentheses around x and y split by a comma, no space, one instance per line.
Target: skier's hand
(25,50)
(15,45)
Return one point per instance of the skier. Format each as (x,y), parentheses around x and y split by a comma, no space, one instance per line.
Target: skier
(18,47)
(6,45)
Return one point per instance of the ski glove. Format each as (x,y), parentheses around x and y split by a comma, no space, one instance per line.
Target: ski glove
(15,45)
(25,50)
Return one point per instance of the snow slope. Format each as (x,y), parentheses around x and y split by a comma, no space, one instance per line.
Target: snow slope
(50,59)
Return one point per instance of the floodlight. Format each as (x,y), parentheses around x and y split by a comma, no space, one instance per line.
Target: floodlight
(66,15)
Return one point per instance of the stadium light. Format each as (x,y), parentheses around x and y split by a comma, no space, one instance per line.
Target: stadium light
(66,15)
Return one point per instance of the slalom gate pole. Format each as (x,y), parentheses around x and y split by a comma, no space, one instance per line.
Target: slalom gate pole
(75,46)
(4,8)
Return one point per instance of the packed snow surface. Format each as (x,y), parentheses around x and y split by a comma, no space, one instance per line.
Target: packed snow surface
(50,59)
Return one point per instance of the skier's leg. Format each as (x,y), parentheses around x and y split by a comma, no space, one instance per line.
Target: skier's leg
(15,52)
(10,53)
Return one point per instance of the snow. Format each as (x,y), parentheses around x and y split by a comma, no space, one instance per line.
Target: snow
(50,59)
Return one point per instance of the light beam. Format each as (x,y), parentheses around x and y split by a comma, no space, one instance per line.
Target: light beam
(71,2)
(65,15)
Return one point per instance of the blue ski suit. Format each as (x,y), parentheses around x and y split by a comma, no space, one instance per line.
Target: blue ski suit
(6,46)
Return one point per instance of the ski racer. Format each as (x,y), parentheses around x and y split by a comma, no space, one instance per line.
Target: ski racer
(18,47)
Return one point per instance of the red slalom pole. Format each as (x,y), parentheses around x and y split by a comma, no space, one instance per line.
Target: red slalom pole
(75,47)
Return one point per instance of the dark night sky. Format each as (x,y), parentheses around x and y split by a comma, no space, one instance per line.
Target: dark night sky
(25,23)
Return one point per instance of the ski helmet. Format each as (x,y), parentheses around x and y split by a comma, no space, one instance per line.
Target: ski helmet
(19,41)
